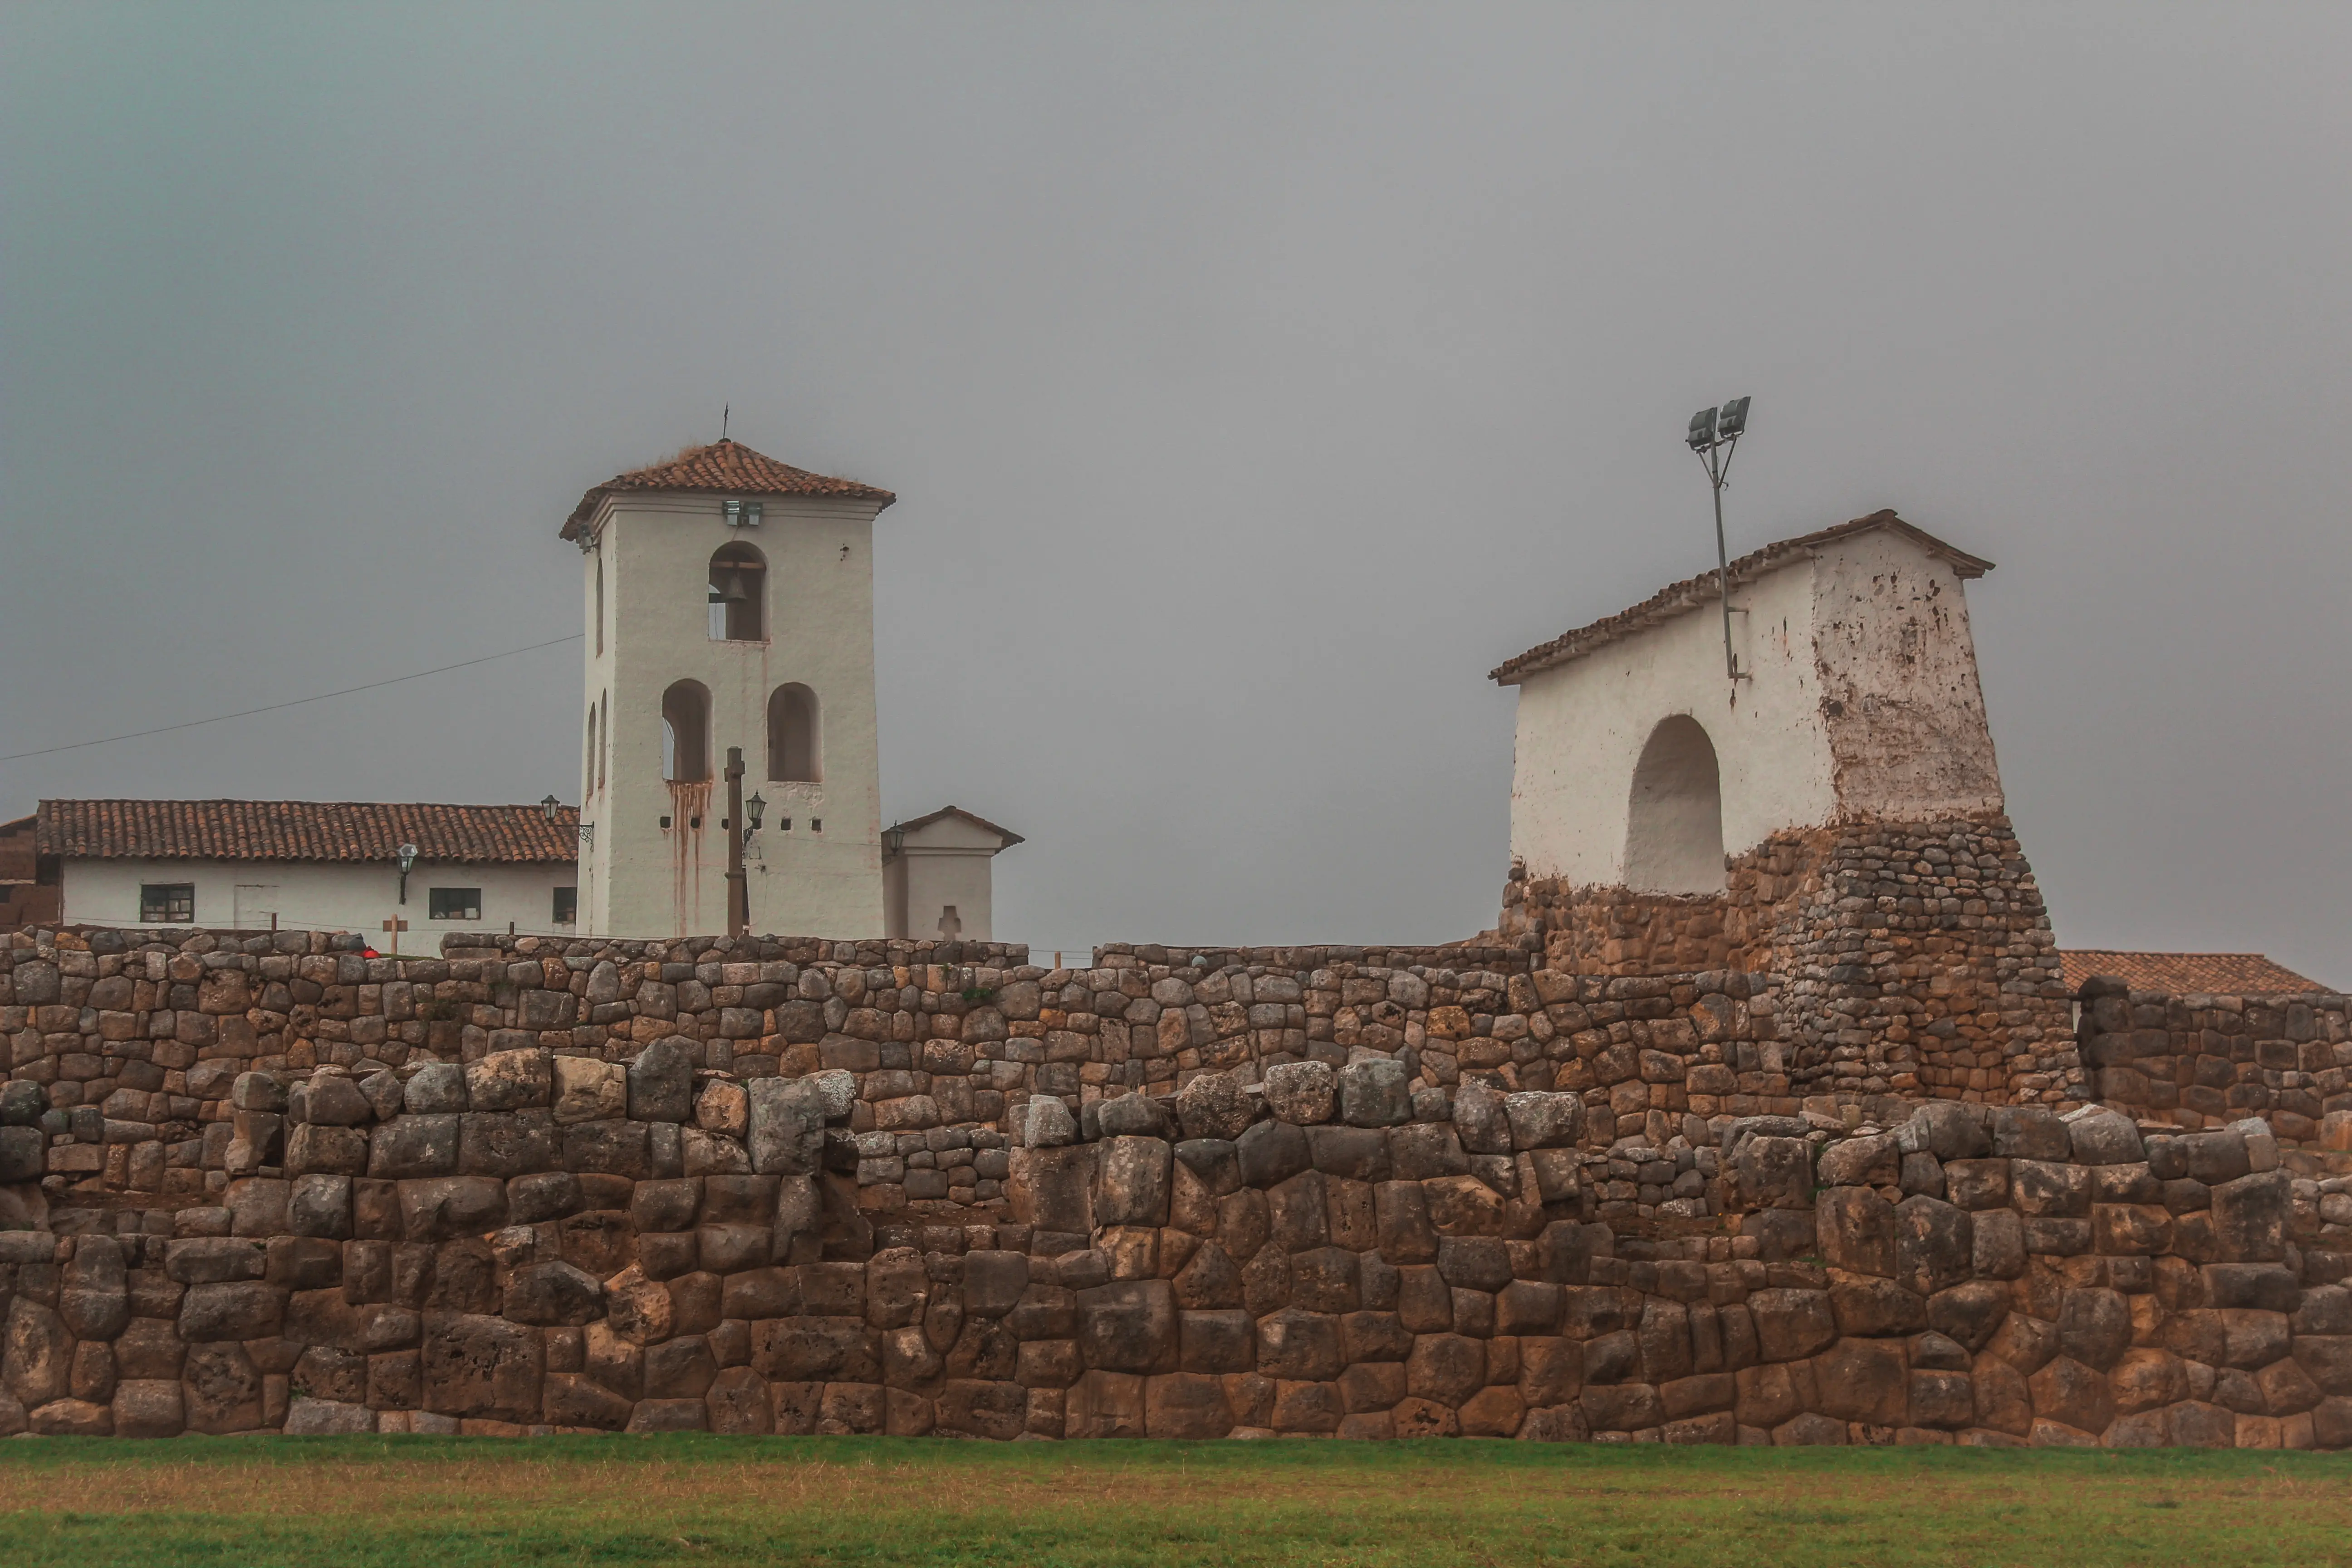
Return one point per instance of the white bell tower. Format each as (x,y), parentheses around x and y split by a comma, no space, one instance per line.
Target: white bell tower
(730,602)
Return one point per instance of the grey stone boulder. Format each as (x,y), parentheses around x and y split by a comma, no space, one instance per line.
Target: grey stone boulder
(786,1134)
(1133,1116)
(1215,1105)
(661,1083)
(1377,1093)
(1045,1122)
(1544,1119)
(549,1295)
(2099,1136)
(434,1088)
(1481,1119)
(1301,1093)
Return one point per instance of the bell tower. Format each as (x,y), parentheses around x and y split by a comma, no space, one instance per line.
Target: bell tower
(730,602)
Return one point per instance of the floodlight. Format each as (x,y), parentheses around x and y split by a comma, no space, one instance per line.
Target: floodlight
(1732,420)
(1702,430)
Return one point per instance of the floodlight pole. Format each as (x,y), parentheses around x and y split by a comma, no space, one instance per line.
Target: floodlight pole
(1713,435)
(1715,473)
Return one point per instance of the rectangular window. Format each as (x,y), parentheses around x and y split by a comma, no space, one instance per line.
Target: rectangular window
(167,904)
(567,906)
(453,904)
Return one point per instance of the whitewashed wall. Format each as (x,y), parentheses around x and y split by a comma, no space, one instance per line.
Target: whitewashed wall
(321,895)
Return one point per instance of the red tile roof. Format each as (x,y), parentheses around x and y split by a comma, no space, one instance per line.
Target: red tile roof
(1694,592)
(727,467)
(305,830)
(2212,973)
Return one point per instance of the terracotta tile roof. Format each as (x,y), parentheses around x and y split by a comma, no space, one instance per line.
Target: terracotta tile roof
(911,824)
(1694,592)
(727,467)
(305,830)
(2213,973)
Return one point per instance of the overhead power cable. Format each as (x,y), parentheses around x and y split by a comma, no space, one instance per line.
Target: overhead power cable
(294,703)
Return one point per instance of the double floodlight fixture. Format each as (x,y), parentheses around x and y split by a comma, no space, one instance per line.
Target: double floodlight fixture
(1714,432)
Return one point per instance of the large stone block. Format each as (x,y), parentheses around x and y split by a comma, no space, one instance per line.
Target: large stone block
(1128,1326)
(37,1362)
(1215,1105)
(661,1082)
(786,1127)
(510,1080)
(506,1143)
(247,1310)
(413,1146)
(482,1367)
(1301,1093)
(1863,1380)
(1131,1181)
(1856,1230)
(1375,1093)
(441,1208)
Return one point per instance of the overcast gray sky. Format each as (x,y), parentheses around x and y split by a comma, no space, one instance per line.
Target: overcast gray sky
(1254,379)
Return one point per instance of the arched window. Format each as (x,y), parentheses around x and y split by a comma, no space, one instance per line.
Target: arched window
(686,733)
(794,751)
(600,604)
(739,594)
(590,771)
(1673,830)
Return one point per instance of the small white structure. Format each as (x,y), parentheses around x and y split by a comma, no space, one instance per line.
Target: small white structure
(298,865)
(729,600)
(1640,763)
(937,878)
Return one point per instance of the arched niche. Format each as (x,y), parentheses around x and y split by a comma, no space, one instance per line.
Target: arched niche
(795,738)
(739,593)
(686,733)
(1673,830)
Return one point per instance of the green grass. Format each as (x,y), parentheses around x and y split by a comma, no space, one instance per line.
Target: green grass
(456,1502)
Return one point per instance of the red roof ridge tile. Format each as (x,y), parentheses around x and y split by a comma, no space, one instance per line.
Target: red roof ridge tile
(724,468)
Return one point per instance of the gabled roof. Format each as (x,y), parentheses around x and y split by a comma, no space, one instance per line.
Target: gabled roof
(306,830)
(914,823)
(2212,973)
(1694,592)
(726,468)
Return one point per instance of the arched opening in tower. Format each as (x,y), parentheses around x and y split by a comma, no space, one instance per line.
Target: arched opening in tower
(1674,829)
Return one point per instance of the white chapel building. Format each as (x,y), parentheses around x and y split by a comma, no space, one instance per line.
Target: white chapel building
(1641,762)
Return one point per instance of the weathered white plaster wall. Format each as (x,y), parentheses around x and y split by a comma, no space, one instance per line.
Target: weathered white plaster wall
(1582,725)
(1863,702)
(1899,689)
(322,895)
(639,880)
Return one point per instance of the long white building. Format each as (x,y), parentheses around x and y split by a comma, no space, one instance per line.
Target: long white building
(297,865)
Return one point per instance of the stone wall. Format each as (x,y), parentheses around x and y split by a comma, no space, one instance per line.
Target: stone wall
(268,1181)
(1917,959)
(2202,1060)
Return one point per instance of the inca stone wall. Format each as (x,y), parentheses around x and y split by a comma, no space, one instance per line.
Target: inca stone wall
(2203,1060)
(261,1183)
(1917,959)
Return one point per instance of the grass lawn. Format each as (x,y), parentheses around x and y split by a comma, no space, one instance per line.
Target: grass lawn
(454,1502)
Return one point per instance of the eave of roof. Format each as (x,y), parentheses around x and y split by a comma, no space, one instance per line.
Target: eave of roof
(913,824)
(723,468)
(304,830)
(1692,592)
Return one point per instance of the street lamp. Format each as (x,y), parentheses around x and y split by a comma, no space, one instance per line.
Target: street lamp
(547,807)
(408,862)
(1714,433)
(752,808)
